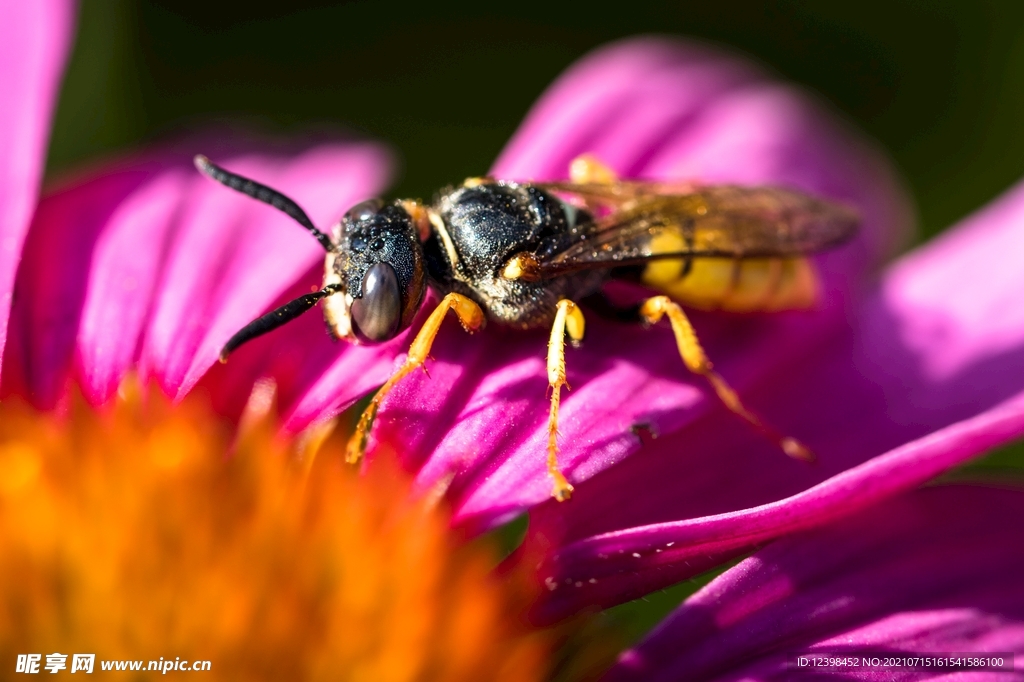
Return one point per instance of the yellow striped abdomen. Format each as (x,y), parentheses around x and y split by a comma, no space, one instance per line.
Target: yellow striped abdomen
(734,284)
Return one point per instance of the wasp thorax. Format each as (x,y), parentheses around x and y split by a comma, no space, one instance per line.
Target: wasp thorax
(379,265)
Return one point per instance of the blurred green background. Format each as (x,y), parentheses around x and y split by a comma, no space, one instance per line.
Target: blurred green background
(940,84)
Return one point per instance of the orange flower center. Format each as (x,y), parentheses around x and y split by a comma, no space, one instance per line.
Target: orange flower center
(151,530)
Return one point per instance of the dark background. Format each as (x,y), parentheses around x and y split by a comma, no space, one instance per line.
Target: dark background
(940,84)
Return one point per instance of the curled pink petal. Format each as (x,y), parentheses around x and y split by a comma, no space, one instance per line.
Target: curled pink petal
(478,422)
(617,566)
(34,42)
(928,376)
(936,571)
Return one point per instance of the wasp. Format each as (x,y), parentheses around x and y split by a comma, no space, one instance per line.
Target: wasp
(525,255)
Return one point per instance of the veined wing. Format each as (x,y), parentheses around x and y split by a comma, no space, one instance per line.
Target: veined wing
(638,222)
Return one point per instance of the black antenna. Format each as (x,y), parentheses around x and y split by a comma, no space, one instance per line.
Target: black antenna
(275,318)
(264,194)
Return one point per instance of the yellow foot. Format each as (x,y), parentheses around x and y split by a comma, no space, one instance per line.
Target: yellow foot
(562,489)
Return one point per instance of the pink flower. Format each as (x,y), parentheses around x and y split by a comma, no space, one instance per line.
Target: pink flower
(930,574)
(144,266)
(927,374)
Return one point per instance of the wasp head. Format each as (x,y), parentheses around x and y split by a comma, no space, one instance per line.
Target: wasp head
(374,278)
(378,270)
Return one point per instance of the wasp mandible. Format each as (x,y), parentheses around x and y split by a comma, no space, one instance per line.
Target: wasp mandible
(526,254)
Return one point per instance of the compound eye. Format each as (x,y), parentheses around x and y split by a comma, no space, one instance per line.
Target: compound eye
(377,315)
(365,209)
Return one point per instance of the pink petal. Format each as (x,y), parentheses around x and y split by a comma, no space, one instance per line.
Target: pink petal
(149,262)
(57,265)
(34,41)
(651,108)
(935,571)
(232,257)
(929,375)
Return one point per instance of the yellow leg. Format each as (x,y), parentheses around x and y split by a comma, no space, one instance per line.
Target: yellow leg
(697,362)
(472,319)
(588,169)
(569,319)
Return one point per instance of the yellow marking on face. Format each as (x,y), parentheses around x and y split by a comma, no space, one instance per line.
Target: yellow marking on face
(336,306)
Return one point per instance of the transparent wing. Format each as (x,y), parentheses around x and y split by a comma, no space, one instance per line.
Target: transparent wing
(638,222)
